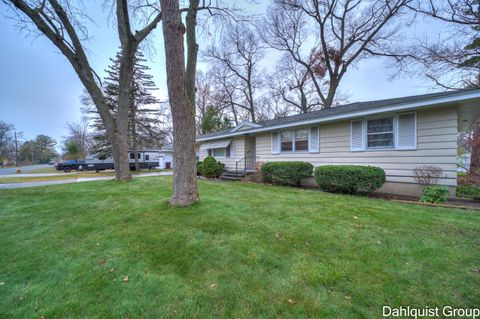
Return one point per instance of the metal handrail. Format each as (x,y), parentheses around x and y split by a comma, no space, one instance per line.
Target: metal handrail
(244,160)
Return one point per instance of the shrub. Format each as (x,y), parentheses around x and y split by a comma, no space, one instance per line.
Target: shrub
(468,180)
(199,164)
(468,191)
(427,174)
(286,173)
(434,194)
(210,167)
(349,179)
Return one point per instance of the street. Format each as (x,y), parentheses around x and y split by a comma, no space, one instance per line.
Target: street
(12,170)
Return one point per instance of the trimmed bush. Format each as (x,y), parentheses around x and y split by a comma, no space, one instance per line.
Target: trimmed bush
(210,167)
(434,194)
(286,173)
(349,179)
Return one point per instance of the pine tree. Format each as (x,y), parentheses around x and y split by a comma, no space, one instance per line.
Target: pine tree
(213,121)
(146,128)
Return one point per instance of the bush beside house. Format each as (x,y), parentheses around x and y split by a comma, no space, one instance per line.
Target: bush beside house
(349,179)
(210,167)
(286,173)
(434,194)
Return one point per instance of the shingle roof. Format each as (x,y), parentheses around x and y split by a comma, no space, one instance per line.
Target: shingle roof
(167,148)
(341,109)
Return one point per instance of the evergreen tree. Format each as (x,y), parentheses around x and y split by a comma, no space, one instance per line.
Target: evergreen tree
(213,121)
(145,116)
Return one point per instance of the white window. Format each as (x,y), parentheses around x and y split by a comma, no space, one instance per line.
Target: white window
(380,133)
(293,141)
(301,140)
(286,141)
(219,152)
(393,132)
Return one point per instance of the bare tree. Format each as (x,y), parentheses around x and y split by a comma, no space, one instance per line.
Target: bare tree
(57,21)
(239,53)
(291,84)
(451,60)
(78,134)
(181,92)
(329,37)
(224,91)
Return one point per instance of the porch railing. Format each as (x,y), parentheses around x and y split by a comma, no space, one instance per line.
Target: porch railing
(245,164)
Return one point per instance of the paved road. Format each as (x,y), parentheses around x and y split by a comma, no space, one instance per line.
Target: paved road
(12,170)
(78,180)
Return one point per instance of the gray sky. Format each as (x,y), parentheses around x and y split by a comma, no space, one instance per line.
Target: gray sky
(39,90)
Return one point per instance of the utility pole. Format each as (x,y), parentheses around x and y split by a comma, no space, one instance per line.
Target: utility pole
(16,149)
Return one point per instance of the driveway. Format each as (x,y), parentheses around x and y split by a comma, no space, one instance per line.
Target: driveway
(12,170)
(78,180)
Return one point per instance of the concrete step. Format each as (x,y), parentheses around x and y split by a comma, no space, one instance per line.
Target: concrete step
(239,174)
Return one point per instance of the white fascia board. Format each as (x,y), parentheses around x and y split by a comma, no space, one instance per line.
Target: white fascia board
(398,107)
(243,124)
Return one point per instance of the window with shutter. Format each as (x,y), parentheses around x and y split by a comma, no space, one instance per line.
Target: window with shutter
(314,143)
(356,135)
(407,131)
(275,143)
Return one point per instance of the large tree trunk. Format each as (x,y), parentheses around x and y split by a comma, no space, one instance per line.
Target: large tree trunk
(183,111)
(134,142)
(475,155)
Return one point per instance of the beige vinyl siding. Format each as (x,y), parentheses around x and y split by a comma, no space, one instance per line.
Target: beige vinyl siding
(238,153)
(436,145)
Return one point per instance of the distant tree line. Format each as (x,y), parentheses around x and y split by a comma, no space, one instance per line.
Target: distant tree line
(40,150)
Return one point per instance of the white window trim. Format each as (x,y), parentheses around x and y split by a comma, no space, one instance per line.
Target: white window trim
(292,131)
(395,134)
(223,148)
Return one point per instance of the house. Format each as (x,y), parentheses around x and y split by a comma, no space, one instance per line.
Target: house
(166,157)
(397,135)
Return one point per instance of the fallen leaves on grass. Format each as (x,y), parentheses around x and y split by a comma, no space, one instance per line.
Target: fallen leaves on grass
(125,279)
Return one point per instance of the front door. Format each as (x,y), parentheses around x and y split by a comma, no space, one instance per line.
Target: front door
(250,153)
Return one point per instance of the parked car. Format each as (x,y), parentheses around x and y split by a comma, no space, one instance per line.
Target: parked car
(69,165)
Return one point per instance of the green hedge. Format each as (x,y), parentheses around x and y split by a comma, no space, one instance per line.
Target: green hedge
(286,173)
(210,167)
(349,179)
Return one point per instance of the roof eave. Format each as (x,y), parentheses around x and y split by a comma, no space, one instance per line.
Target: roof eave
(350,115)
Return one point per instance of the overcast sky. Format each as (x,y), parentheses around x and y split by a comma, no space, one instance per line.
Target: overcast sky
(39,90)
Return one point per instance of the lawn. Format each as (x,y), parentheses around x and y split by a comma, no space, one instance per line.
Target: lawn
(246,251)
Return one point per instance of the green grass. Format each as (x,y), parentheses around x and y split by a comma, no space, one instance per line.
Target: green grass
(245,251)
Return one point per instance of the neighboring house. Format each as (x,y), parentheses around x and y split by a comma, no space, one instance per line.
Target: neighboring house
(166,157)
(395,134)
